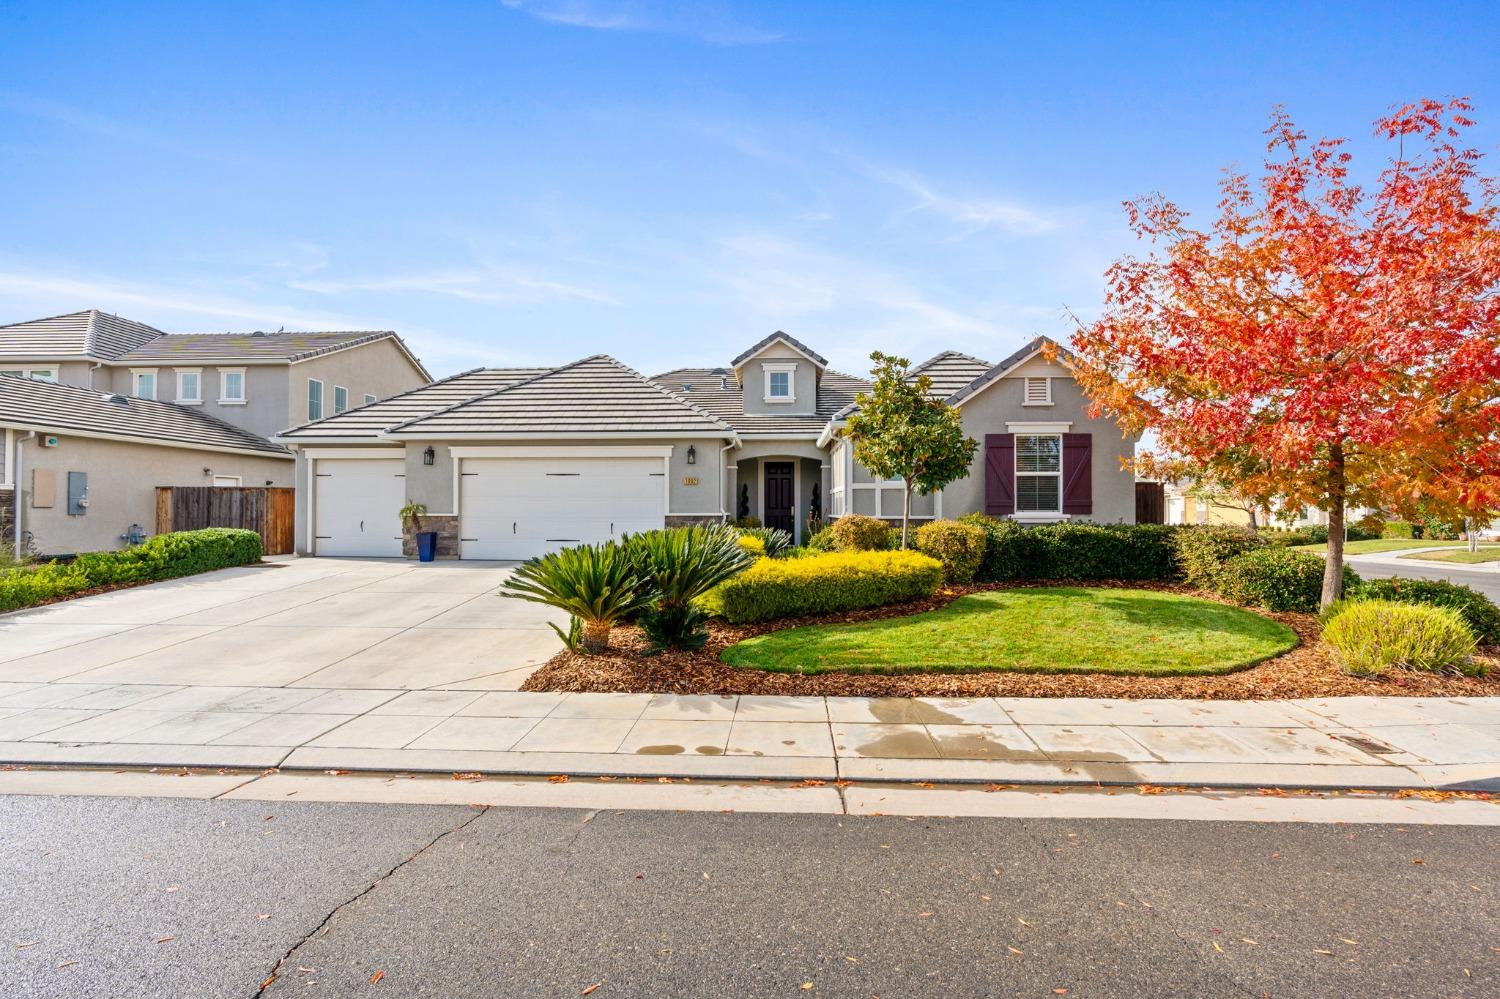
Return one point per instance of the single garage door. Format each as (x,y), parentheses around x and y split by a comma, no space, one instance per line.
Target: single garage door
(517,508)
(357,504)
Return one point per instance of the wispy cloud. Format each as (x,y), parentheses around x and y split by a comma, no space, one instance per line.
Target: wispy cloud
(495,286)
(705,21)
(970,213)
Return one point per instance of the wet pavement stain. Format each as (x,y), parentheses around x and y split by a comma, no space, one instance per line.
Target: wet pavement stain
(660,750)
(710,751)
(906,711)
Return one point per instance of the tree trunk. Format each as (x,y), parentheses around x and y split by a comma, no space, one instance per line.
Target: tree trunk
(596,636)
(1333,567)
(1472,533)
(1253,525)
(905,513)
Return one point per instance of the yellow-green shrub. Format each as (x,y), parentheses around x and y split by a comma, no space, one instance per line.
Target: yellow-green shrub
(960,547)
(1370,637)
(856,533)
(752,545)
(823,584)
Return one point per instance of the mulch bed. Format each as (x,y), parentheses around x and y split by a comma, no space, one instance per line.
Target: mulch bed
(1305,671)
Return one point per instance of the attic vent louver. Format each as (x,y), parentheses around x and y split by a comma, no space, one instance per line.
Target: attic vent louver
(117,399)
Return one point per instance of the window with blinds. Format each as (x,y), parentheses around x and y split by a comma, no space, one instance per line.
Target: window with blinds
(1038,473)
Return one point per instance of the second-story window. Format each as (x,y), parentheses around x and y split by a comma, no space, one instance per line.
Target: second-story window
(231,386)
(189,385)
(314,399)
(779,382)
(143,383)
(340,398)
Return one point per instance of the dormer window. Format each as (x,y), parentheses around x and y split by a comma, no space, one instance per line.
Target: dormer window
(779,382)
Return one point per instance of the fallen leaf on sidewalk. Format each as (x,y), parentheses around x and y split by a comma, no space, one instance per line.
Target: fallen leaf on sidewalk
(166,939)
(558,779)
(1013,950)
(1318,951)
(469,776)
(811,782)
(807,986)
(262,915)
(335,773)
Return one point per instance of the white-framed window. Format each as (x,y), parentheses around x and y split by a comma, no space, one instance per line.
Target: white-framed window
(143,383)
(369,398)
(1038,473)
(340,398)
(314,399)
(35,374)
(228,481)
(231,386)
(189,385)
(1038,392)
(780,382)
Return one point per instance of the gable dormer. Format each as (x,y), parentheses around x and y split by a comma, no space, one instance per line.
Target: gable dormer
(780,375)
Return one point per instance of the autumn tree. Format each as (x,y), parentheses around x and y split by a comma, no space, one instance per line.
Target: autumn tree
(901,432)
(1343,338)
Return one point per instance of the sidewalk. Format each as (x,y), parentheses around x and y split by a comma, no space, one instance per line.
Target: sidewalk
(1355,742)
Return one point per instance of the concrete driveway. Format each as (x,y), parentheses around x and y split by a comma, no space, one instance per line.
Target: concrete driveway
(302,623)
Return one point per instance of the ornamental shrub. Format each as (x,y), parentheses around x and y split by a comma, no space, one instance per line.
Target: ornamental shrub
(1478,611)
(823,584)
(1007,549)
(1074,551)
(1201,552)
(1398,529)
(773,540)
(166,556)
(960,547)
(1277,579)
(855,533)
(754,547)
(820,540)
(1369,637)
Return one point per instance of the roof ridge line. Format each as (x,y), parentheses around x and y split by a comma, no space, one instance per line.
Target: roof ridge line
(490,395)
(672,395)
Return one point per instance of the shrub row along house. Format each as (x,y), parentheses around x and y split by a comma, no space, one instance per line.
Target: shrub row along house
(514,462)
(97,411)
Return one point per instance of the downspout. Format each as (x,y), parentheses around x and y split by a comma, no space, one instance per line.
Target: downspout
(16,490)
(724,477)
(96,366)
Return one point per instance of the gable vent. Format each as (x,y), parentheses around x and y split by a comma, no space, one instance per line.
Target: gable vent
(1038,391)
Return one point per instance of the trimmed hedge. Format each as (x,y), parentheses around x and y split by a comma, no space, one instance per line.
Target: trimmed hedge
(960,547)
(1202,552)
(1398,530)
(1278,579)
(1074,551)
(1370,637)
(823,584)
(1478,611)
(166,556)
(857,533)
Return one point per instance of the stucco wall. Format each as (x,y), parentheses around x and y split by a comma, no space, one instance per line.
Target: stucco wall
(122,481)
(804,382)
(263,411)
(380,368)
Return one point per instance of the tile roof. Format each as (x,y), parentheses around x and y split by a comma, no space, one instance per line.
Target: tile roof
(836,391)
(821,361)
(951,371)
(597,395)
(173,347)
(63,409)
(1000,369)
(370,421)
(89,333)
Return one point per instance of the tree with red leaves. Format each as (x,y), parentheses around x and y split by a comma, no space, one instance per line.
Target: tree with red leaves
(1320,343)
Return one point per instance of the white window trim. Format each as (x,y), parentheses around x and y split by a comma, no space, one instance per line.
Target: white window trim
(322,400)
(32,373)
(1041,515)
(135,382)
(788,368)
(238,480)
(187,400)
(224,397)
(370,399)
(1026,381)
(336,390)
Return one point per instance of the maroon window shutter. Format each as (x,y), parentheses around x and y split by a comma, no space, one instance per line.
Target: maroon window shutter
(999,474)
(1078,474)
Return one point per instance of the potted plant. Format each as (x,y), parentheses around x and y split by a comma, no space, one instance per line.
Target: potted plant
(411,515)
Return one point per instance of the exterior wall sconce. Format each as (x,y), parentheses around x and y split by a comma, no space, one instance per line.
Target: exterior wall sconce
(692,455)
(429,455)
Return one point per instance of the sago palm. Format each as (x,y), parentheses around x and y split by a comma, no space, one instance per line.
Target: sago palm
(597,584)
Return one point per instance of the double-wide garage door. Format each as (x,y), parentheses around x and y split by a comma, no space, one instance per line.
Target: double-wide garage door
(357,504)
(517,508)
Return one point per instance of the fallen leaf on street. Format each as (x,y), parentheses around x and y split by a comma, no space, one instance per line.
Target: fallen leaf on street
(1013,950)
(66,964)
(375,978)
(590,989)
(468,776)
(169,937)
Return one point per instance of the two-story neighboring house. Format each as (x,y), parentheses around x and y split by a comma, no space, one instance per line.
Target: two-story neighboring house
(515,462)
(184,409)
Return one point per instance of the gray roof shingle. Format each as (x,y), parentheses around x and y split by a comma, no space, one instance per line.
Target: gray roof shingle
(822,361)
(951,371)
(700,386)
(597,395)
(370,421)
(89,333)
(999,370)
(176,347)
(62,409)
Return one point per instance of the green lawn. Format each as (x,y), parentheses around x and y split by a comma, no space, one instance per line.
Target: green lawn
(1042,630)
(1376,546)
(1462,555)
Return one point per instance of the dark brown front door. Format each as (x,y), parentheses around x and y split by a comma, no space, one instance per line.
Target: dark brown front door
(780,503)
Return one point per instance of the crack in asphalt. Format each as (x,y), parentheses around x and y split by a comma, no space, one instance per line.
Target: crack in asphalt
(326,920)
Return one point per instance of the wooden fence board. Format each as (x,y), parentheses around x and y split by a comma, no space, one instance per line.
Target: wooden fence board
(1150,503)
(267,510)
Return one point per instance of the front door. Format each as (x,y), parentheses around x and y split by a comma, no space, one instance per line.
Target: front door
(781,504)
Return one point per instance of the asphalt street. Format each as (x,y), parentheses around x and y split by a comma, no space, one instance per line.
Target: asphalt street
(1486,582)
(124,897)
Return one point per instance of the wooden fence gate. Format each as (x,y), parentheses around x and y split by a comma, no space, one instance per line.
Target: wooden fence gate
(267,510)
(1150,503)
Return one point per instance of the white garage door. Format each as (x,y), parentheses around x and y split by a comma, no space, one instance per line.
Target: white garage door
(356,506)
(516,508)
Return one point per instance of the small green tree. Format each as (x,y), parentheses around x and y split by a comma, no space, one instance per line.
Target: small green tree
(901,432)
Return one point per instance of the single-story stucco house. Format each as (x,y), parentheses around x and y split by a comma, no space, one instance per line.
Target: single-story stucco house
(514,462)
(79,467)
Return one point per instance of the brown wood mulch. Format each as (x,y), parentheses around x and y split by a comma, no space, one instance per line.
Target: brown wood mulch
(1305,671)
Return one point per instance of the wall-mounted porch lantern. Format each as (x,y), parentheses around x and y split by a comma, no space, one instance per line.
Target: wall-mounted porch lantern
(692,455)
(429,455)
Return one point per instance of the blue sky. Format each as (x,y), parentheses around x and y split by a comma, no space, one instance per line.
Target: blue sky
(531,181)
